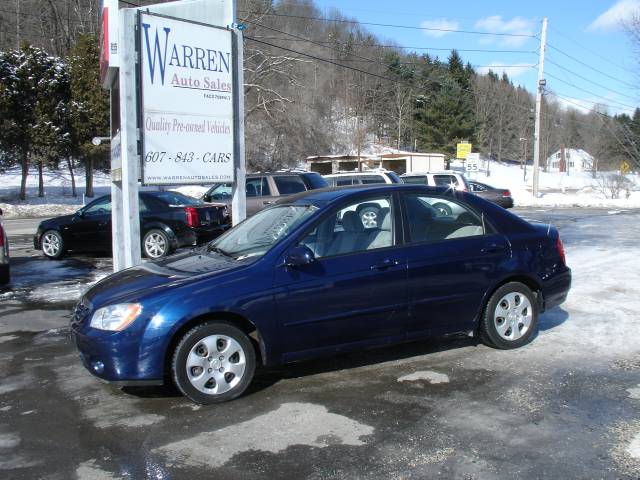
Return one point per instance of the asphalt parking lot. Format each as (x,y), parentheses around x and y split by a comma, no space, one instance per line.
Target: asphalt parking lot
(565,406)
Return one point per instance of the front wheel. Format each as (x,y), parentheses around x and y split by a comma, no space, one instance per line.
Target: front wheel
(52,244)
(155,244)
(213,363)
(510,318)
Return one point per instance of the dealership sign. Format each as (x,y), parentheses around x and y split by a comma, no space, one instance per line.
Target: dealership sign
(109,54)
(187,123)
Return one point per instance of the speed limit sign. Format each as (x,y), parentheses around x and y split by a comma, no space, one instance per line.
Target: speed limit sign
(473,159)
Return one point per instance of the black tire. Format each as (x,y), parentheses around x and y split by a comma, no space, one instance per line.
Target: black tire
(155,244)
(5,274)
(491,322)
(443,208)
(214,365)
(52,244)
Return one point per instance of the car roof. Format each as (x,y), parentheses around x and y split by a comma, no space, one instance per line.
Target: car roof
(353,174)
(279,174)
(325,195)
(440,172)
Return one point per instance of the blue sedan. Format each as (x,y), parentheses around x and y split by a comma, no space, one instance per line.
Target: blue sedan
(322,272)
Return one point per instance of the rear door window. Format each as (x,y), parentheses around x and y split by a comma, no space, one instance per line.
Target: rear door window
(372,179)
(341,181)
(420,180)
(434,219)
(257,187)
(445,181)
(289,184)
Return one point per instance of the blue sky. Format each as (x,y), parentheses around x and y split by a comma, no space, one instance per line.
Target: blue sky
(587,30)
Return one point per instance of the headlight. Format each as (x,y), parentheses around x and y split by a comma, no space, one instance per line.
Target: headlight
(116,317)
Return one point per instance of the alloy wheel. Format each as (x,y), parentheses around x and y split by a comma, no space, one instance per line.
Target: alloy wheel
(155,245)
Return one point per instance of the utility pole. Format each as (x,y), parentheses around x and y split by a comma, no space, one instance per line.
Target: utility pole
(541,85)
(17,24)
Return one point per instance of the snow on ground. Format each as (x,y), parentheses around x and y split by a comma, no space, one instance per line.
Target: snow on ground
(57,200)
(555,189)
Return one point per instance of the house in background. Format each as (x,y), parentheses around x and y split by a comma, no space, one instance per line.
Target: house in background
(575,160)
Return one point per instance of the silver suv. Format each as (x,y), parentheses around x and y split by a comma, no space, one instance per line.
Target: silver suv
(446,178)
(263,189)
(361,178)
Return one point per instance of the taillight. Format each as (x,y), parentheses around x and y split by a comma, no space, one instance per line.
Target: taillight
(1,237)
(560,248)
(506,193)
(193,219)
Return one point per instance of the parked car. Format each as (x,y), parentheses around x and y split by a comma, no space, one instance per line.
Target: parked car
(306,278)
(263,189)
(501,196)
(447,179)
(168,220)
(5,269)
(362,178)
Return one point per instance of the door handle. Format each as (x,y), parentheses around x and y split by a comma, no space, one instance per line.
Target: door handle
(386,263)
(493,248)
(267,202)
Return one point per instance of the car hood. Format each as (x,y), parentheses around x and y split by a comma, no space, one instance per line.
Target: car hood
(62,219)
(132,284)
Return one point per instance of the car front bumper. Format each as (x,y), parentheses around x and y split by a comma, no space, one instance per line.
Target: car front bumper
(118,357)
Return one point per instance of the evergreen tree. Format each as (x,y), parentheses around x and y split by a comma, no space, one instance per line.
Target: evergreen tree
(89,108)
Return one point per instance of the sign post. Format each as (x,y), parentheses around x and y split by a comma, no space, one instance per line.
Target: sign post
(177,111)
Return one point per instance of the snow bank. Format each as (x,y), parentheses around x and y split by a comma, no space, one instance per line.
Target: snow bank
(578,189)
(58,199)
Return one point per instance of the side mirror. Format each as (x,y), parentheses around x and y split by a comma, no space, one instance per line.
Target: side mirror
(206,197)
(300,256)
(80,213)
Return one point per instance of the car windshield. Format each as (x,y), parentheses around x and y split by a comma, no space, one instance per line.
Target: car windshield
(176,198)
(255,236)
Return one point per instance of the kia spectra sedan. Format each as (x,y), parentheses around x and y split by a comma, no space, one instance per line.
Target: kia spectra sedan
(308,277)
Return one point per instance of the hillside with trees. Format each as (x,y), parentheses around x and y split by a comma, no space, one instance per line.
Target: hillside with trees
(315,83)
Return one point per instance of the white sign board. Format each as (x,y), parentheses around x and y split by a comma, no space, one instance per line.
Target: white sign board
(187,102)
(472,161)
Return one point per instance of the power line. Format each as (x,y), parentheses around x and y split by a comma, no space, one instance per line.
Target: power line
(603,117)
(593,52)
(407,27)
(299,37)
(590,81)
(626,106)
(404,47)
(388,79)
(592,68)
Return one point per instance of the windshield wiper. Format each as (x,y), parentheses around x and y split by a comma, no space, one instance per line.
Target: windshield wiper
(213,248)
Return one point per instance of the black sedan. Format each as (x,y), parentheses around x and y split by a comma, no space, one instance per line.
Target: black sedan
(168,220)
(501,196)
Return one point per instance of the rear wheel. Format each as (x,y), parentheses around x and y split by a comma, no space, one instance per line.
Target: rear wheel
(510,318)
(52,244)
(213,363)
(155,244)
